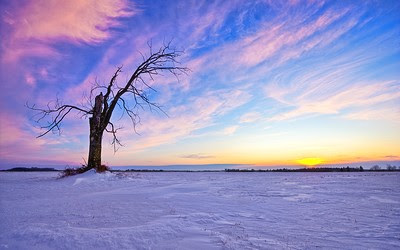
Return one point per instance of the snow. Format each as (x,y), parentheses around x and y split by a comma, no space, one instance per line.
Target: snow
(200,210)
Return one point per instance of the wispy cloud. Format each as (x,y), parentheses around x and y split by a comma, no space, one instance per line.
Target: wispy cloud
(230,130)
(388,113)
(320,101)
(183,120)
(35,25)
(250,117)
(18,142)
(392,156)
(267,42)
(197,156)
(337,85)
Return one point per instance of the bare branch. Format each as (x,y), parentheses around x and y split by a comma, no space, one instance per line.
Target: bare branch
(164,60)
(137,87)
(115,142)
(110,89)
(58,113)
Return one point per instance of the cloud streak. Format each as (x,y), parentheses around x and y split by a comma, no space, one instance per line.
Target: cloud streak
(197,156)
(37,25)
(185,120)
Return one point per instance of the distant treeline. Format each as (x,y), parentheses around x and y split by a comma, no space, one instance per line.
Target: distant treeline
(33,169)
(375,168)
(162,170)
(316,169)
(342,169)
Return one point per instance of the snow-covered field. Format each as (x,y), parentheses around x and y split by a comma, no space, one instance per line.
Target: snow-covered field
(200,211)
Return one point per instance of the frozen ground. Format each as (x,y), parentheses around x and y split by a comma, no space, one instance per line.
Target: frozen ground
(200,211)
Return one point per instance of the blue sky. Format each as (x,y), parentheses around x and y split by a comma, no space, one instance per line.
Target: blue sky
(271,82)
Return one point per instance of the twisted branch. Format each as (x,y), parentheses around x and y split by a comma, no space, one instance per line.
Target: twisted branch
(59,111)
(163,60)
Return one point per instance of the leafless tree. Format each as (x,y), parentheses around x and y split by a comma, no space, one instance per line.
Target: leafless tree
(100,108)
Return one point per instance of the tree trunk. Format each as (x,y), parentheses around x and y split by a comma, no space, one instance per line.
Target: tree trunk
(94,159)
(96,135)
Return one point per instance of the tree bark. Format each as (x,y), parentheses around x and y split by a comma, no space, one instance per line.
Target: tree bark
(96,135)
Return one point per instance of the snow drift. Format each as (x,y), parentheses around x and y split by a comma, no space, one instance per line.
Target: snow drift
(172,210)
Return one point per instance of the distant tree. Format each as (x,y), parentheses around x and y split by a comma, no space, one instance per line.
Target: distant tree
(101,107)
(390,167)
(375,168)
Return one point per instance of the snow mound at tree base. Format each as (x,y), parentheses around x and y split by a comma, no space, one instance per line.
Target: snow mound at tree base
(91,176)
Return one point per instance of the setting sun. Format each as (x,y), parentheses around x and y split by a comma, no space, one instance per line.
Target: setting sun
(310,161)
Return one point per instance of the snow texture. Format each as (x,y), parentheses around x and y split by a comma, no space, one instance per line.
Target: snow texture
(171,210)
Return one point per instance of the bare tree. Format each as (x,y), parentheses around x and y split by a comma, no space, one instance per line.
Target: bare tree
(100,110)
(375,168)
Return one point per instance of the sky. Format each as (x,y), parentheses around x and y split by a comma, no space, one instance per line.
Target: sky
(271,83)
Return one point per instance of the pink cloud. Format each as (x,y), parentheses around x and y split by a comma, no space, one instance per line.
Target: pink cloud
(15,141)
(29,79)
(267,42)
(9,129)
(19,49)
(284,37)
(250,117)
(230,130)
(385,113)
(360,95)
(18,142)
(76,20)
(183,121)
(39,22)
